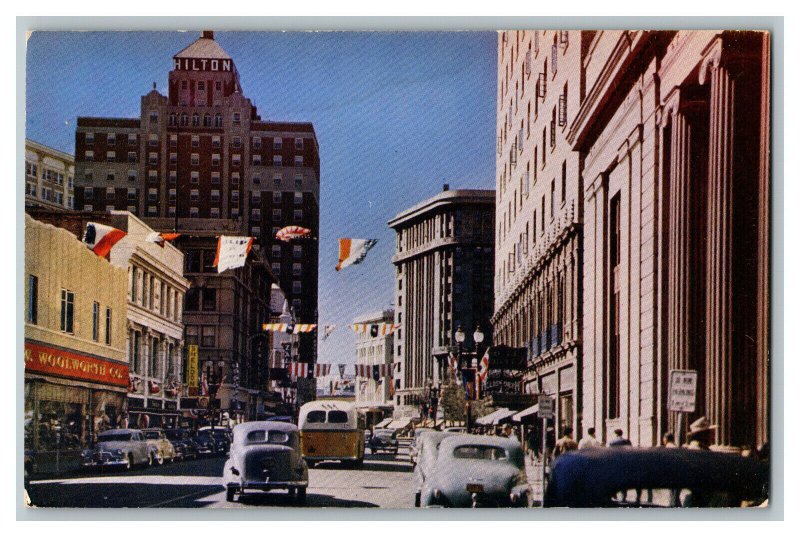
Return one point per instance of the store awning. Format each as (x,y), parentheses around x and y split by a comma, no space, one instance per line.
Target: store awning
(495,417)
(401,423)
(383,423)
(527,412)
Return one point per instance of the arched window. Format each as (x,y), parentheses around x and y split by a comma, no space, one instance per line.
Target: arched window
(173,120)
(218,120)
(207,120)
(195,120)
(184,120)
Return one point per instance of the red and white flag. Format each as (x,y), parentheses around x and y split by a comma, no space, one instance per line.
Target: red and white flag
(453,360)
(302,328)
(363,370)
(160,238)
(203,384)
(353,251)
(322,370)
(288,233)
(483,367)
(100,238)
(232,252)
(298,370)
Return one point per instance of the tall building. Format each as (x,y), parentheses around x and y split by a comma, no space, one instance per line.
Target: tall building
(375,350)
(76,367)
(444,263)
(539,205)
(674,136)
(49,177)
(202,154)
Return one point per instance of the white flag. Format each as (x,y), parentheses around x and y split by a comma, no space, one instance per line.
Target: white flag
(353,251)
(232,252)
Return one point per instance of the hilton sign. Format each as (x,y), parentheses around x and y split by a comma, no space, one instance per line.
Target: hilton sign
(197,64)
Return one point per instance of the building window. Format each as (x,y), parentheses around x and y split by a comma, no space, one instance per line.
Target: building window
(298,215)
(276,215)
(111,156)
(277,160)
(255,215)
(173,177)
(278,179)
(154,369)
(297,287)
(195,120)
(152,140)
(209,336)
(173,158)
(88,175)
(67,311)
(256,196)
(131,175)
(614,357)
(194,194)
(276,250)
(237,142)
(256,142)
(152,194)
(88,192)
(108,326)
(173,142)
(237,160)
(194,212)
(207,120)
(110,176)
(298,143)
(256,178)
(297,269)
(276,197)
(95,321)
(215,159)
(111,138)
(33,299)
(131,209)
(214,178)
(256,160)
(298,180)
(235,196)
(173,120)
(131,194)
(171,211)
(215,195)
(152,176)
(209,299)
(110,193)
(255,231)
(237,118)
(195,141)
(296,304)
(215,143)
(88,156)
(192,333)
(172,194)
(218,120)
(298,161)
(235,178)
(152,210)
(131,156)
(195,178)
(297,251)
(276,269)
(235,212)
(89,138)
(278,143)
(195,159)
(88,208)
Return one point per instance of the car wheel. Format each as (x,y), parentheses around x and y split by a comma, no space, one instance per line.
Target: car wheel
(311,464)
(301,495)
(358,464)
(159,458)
(417,499)
(229,494)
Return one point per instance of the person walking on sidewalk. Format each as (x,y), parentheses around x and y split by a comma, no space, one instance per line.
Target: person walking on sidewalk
(619,439)
(589,441)
(565,443)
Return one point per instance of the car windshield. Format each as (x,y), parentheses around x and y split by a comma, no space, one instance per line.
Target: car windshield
(337,416)
(316,416)
(490,453)
(219,433)
(114,437)
(152,435)
(267,437)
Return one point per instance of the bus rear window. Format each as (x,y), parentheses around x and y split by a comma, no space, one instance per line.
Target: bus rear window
(316,416)
(336,416)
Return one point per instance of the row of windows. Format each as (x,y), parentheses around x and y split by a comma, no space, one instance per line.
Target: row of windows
(137,355)
(297,268)
(53,176)
(111,156)
(111,138)
(100,316)
(155,295)
(277,215)
(204,336)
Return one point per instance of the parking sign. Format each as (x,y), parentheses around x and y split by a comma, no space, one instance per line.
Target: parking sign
(546,407)
(682,390)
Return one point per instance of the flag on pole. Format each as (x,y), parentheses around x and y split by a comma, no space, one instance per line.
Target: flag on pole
(353,251)
(322,370)
(453,360)
(327,331)
(298,370)
(100,238)
(232,252)
(483,367)
(341,370)
(288,327)
(286,234)
(161,238)
(374,329)
(203,384)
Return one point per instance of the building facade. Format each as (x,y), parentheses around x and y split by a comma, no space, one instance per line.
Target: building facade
(371,351)
(444,265)
(538,207)
(76,368)
(156,290)
(49,177)
(202,152)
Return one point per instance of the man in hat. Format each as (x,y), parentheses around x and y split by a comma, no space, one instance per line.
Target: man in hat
(700,434)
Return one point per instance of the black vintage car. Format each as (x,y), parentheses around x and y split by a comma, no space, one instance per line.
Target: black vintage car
(383,440)
(221,436)
(656,477)
(184,445)
(206,443)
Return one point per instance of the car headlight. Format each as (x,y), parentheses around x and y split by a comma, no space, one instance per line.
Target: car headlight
(118,452)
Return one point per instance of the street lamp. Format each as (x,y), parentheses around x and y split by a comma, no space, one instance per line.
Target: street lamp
(478,337)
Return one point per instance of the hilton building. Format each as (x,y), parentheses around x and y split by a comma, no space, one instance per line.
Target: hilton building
(445,264)
(201,156)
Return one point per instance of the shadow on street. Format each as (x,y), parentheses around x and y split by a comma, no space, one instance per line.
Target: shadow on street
(64,494)
(282,499)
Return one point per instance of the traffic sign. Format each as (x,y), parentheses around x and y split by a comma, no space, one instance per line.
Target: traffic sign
(682,390)
(546,407)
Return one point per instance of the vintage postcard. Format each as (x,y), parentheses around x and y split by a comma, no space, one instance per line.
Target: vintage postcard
(508,269)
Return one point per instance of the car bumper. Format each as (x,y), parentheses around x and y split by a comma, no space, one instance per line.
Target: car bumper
(268,485)
(95,464)
(320,459)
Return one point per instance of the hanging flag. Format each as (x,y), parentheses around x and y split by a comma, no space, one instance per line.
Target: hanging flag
(353,251)
(203,385)
(288,233)
(328,330)
(483,367)
(341,370)
(274,327)
(232,252)
(322,370)
(298,370)
(160,238)
(289,328)
(374,329)
(302,328)
(100,238)
(453,360)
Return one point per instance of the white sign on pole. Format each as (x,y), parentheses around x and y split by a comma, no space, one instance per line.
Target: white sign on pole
(682,390)
(546,407)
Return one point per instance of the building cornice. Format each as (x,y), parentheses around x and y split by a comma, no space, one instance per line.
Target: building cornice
(443,199)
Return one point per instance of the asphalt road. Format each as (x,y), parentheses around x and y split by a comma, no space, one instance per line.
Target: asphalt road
(384,481)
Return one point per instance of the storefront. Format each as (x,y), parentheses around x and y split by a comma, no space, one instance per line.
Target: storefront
(69,398)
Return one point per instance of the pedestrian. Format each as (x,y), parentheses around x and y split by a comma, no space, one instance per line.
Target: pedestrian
(668,440)
(565,443)
(508,432)
(700,433)
(619,439)
(590,440)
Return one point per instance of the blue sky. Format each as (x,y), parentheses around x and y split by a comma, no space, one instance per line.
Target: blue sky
(396,114)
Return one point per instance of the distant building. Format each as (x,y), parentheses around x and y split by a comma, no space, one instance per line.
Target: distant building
(76,367)
(445,266)
(49,177)
(375,350)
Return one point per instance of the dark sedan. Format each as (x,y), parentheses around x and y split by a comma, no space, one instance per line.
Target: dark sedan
(383,440)
(184,445)
(206,443)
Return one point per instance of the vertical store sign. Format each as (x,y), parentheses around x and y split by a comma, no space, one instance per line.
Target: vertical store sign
(192,366)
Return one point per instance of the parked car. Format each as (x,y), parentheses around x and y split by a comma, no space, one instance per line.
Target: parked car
(221,435)
(655,477)
(163,450)
(284,419)
(183,444)
(124,448)
(383,440)
(265,456)
(427,451)
(460,430)
(477,471)
(412,447)
(206,443)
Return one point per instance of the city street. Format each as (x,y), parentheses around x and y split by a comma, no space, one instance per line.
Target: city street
(384,481)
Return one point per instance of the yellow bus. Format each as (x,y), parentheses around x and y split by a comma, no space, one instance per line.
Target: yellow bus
(331,430)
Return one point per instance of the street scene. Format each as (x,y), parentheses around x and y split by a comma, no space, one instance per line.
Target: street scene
(513,269)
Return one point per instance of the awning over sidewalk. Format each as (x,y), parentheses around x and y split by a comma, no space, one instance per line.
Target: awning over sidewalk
(527,412)
(495,417)
(401,423)
(383,423)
